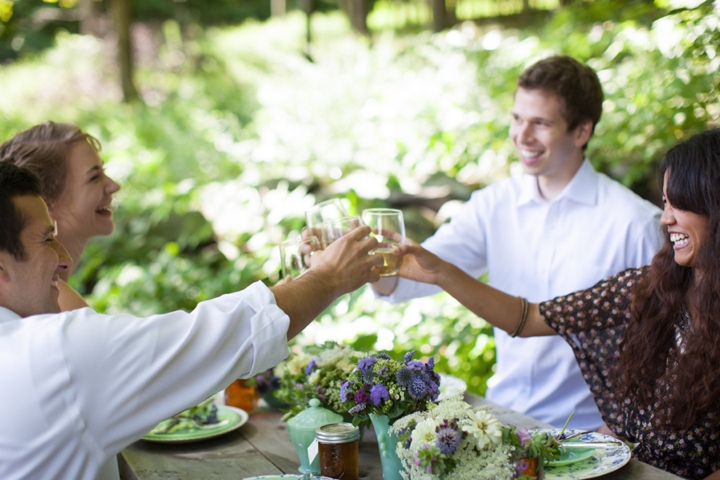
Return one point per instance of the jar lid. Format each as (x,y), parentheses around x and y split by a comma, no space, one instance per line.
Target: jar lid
(314,416)
(337,433)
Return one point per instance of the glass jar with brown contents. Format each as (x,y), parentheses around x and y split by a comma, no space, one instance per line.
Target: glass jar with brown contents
(338,450)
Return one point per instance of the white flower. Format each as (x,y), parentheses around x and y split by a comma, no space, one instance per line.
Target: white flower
(486,429)
(314,377)
(424,433)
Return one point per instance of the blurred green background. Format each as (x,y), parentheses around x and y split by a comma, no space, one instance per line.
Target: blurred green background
(240,125)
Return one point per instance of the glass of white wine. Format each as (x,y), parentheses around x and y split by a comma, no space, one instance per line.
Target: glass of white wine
(336,228)
(388,227)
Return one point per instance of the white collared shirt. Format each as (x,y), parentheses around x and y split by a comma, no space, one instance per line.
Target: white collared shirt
(78,387)
(541,249)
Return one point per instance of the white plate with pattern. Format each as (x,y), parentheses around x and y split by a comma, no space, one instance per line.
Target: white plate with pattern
(603,461)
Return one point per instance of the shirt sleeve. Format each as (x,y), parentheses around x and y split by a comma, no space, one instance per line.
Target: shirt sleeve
(460,242)
(593,322)
(130,373)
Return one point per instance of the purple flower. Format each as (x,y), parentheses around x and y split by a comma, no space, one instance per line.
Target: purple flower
(448,440)
(403,377)
(384,356)
(361,397)
(431,363)
(409,356)
(357,409)
(378,394)
(522,465)
(416,365)
(366,363)
(343,390)
(309,368)
(417,388)
(524,436)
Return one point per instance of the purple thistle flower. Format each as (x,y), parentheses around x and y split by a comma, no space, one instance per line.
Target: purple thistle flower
(384,356)
(522,465)
(409,356)
(431,363)
(403,377)
(417,388)
(310,367)
(378,394)
(524,436)
(448,440)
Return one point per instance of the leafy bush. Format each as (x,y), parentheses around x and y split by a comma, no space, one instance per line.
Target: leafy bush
(240,135)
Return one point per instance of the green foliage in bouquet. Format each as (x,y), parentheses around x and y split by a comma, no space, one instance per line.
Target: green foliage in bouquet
(383,386)
(317,372)
(454,441)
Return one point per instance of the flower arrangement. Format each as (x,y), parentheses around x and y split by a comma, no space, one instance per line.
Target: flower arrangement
(383,386)
(316,372)
(454,441)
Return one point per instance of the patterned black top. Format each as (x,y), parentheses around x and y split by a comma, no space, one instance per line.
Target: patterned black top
(593,322)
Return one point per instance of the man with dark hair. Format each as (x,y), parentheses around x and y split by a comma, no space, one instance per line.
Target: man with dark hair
(554,230)
(77,387)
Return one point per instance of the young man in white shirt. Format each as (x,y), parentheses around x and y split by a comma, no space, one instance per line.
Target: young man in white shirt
(78,387)
(559,228)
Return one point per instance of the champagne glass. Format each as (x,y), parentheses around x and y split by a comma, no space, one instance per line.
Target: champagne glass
(327,210)
(388,227)
(295,255)
(331,230)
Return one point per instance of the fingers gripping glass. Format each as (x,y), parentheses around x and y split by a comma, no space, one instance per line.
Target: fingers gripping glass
(388,228)
(295,255)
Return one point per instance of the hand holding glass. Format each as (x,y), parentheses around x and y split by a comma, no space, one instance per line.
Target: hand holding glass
(336,228)
(295,255)
(328,210)
(388,228)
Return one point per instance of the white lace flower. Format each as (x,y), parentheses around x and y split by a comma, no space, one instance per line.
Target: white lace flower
(484,427)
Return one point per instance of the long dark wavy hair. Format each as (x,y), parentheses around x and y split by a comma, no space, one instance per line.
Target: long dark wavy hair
(690,385)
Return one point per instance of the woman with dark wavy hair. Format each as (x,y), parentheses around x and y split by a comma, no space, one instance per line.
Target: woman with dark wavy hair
(648,339)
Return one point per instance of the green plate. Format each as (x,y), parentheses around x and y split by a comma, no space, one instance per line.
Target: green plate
(572,455)
(230,418)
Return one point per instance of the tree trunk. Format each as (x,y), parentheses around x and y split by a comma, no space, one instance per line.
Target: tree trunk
(357,11)
(121,17)
(439,10)
(278,8)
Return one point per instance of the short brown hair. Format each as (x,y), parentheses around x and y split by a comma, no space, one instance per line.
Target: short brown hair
(576,84)
(14,182)
(44,149)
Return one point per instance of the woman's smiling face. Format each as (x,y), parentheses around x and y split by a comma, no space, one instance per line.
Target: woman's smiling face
(83,209)
(686,229)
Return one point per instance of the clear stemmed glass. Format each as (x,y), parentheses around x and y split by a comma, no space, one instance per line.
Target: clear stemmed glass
(327,210)
(295,255)
(388,227)
(333,229)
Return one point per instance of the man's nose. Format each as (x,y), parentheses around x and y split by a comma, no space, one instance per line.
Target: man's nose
(64,259)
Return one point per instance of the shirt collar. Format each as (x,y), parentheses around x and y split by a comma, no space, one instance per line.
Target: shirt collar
(582,188)
(8,315)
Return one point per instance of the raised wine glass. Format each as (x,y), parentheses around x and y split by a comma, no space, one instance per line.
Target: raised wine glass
(388,227)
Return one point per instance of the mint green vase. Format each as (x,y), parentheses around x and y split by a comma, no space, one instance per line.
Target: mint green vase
(302,428)
(391,465)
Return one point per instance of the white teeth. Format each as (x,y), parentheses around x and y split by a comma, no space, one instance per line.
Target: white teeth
(529,154)
(679,239)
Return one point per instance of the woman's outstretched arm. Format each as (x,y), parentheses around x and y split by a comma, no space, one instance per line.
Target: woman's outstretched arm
(498,308)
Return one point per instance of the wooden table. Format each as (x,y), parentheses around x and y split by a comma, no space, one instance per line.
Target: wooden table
(262,447)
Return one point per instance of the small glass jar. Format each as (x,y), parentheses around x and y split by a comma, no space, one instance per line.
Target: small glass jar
(338,450)
(241,395)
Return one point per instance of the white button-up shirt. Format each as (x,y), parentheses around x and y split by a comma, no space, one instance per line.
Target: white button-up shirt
(541,249)
(78,387)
